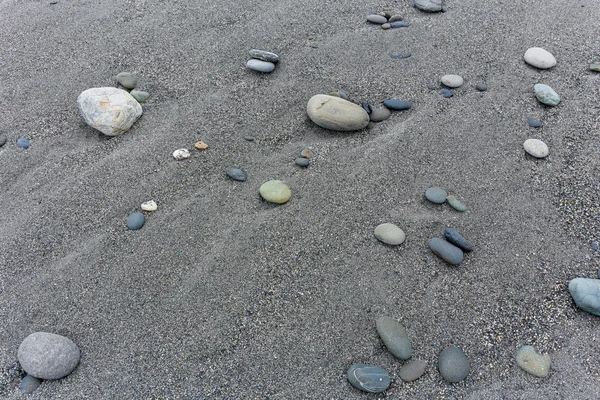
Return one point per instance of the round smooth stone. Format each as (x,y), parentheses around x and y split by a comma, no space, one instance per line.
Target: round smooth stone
(48,356)
(453,364)
(377,19)
(455,203)
(181,154)
(368,378)
(135,221)
(546,95)
(110,110)
(249,138)
(532,362)
(536,148)
(539,58)
(260,66)
(302,162)
(452,81)
(412,370)
(236,174)
(140,95)
(200,145)
(595,67)
(586,294)
(399,24)
(395,18)
(482,87)
(389,234)
(275,191)
(397,105)
(436,195)
(149,205)
(264,55)
(394,336)
(29,384)
(23,143)
(3,140)
(127,80)
(457,239)
(534,123)
(380,114)
(386,26)
(336,114)
(446,251)
(447,93)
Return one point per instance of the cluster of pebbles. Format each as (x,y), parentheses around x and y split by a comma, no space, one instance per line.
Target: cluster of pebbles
(387,20)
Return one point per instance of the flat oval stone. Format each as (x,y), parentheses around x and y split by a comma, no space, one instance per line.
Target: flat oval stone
(400,56)
(336,114)
(200,145)
(397,105)
(389,234)
(446,251)
(302,162)
(532,362)
(149,205)
(586,294)
(386,26)
(413,370)
(264,55)
(453,364)
(534,123)
(236,174)
(135,221)
(249,138)
(452,81)
(110,110)
(275,191)
(399,24)
(455,203)
(546,95)
(380,114)
(140,95)
(48,356)
(127,80)
(368,378)
(536,148)
(260,66)
(539,58)
(436,195)
(394,336)
(395,18)
(482,87)
(3,140)
(23,143)
(447,93)
(29,384)
(377,19)
(181,154)
(456,239)
(430,5)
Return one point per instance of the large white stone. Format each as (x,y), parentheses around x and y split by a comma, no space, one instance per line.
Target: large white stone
(539,58)
(110,110)
(390,234)
(337,114)
(452,81)
(48,356)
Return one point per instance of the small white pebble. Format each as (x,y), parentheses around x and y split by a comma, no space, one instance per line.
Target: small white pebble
(181,154)
(149,205)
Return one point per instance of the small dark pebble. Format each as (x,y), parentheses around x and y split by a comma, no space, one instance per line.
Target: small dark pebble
(29,384)
(447,93)
(397,105)
(3,140)
(23,143)
(302,162)
(431,86)
(456,239)
(249,138)
(394,18)
(343,95)
(236,174)
(482,87)
(534,123)
(399,25)
(400,56)
(595,245)
(366,107)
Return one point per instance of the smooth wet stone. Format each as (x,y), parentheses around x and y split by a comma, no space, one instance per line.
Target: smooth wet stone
(595,67)
(412,370)
(586,294)
(23,143)
(534,123)
(436,195)
(236,174)
(536,148)
(430,5)
(380,114)
(110,110)
(446,251)
(302,162)
(447,93)
(3,140)
(394,336)
(368,378)
(395,18)
(539,58)
(546,95)
(336,114)
(399,24)
(532,362)
(181,154)
(46,355)
(455,203)
(397,105)
(452,81)
(140,95)
(260,66)
(377,19)
(135,221)
(453,364)
(127,80)
(149,205)
(29,384)
(275,191)
(200,145)
(457,239)
(264,56)
(482,87)
(386,26)
(389,234)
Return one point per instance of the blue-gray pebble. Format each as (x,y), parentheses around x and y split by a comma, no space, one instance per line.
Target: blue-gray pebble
(436,195)
(453,364)
(397,105)
(534,123)
(446,251)
(400,56)
(236,174)
(23,143)
(447,93)
(399,25)
(456,239)
(368,378)
(395,337)
(135,221)
(586,293)
(3,140)
(482,87)
(29,384)
(302,162)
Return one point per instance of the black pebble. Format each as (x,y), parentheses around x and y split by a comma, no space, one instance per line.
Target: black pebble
(249,138)
(456,239)
(366,107)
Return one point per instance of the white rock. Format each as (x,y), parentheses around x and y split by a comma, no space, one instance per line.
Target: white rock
(149,205)
(536,148)
(181,154)
(389,234)
(110,110)
(260,66)
(539,58)
(335,113)
(452,81)
(48,356)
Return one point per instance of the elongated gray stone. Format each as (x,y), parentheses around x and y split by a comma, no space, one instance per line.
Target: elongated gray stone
(430,5)
(140,95)
(455,203)
(236,174)
(110,110)
(532,362)
(264,55)
(395,338)
(46,355)
(456,239)
(453,364)
(446,251)
(397,105)
(336,114)
(260,66)
(546,95)
(412,370)
(377,19)
(586,294)
(368,378)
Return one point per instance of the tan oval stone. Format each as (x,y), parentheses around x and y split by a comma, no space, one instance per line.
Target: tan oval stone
(275,191)
(200,145)
(336,114)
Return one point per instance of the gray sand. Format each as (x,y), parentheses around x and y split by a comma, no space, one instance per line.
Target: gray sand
(221,295)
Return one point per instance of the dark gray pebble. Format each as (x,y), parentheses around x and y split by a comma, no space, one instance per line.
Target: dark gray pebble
(23,143)
(236,174)
(29,384)
(302,162)
(366,107)
(482,87)
(446,251)
(249,138)
(595,245)
(397,105)
(3,140)
(453,364)
(380,114)
(436,195)
(400,56)
(399,25)
(447,93)
(135,221)
(395,18)
(368,378)
(456,239)
(534,123)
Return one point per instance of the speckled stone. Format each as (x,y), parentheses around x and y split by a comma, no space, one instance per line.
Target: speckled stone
(377,19)
(135,221)
(302,162)
(536,148)
(181,154)
(539,58)
(140,95)
(412,370)
(452,81)
(127,80)
(457,239)
(23,143)
(368,378)
(394,336)
(29,384)
(546,95)
(533,363)
(586,294)
(264,56)
(275,191)
(48,356)
(482,87)
(397,105)
(336,114)
(453,364)
(260,66)
(200,145)
(455,203)
(534,123)
(389,234)
(236,174)
(436,195)
(110,110)
(446,251)
(380,114)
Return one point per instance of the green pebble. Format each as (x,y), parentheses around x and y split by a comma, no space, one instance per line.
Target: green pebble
(140,95)
(456,204)
(275,191)
(127,80)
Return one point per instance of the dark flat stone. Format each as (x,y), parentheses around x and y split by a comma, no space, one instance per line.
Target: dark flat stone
(236,174)
(397,105)
(534,123)
(366,107)
(456,239)
(446,251)
(3,140)
(399,24)
(368,378)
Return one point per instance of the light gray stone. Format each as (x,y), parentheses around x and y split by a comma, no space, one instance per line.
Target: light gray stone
(452,81)
(536,148)
(336,114)
(140,95)
(395,337)
(127,80)
(431,5)
(586,294)
(546,95)
(389,234)
(539,58)
(377,19)
(110,110)
(260,66)
(532,362)
(46,355)
(412,370)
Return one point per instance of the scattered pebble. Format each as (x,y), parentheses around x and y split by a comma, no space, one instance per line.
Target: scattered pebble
(149,205)
(446,251)
(377,19)
(110,110)
(200,145)
(380,114)
(23,143)
(400,56)
(595,67)
(399,24)
(395,18)
(306,153)
(3,140)
(452,81)
(386,14)
(455,203)
(394,336)
(447,93)
(595,245)
(436,195)
(236,174)
(431,86)
(546,95)
(482,87)
(534,123)
(457,239)
(368,378)
(386,26)
(140,95)
(453,364)
(249,138)
(302,162)
(412,370)
(586,294)
(181,154)
(389,234)
(431,5)
(275,191)
(397,105)
(536,148)
(539,58)
(48,356)
(264,56)
(532,362)
(29,383)
(260,66)
(135,221)
(336,114)
(366,107)
(127,80)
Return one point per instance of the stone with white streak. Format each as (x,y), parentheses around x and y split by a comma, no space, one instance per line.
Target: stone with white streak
(110,110)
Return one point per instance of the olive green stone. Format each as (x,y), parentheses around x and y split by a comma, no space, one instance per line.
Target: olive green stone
(140,95)
(275,191)
(127,80)
(456,204)
(532,362)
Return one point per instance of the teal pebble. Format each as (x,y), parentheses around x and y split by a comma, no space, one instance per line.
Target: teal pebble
(586,294)
(135,221)
(140,95)
(436,195)
(546,95)
(368,378)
